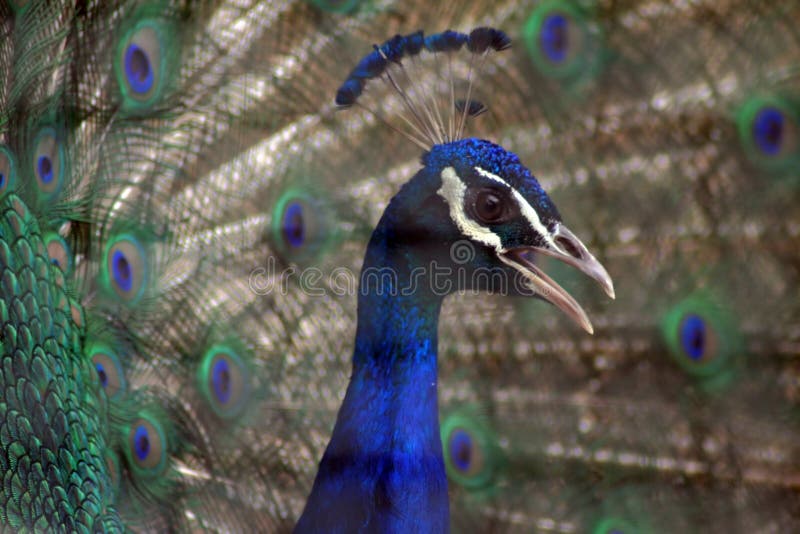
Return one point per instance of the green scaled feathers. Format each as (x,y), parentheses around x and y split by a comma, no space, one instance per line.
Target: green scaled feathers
(47,443)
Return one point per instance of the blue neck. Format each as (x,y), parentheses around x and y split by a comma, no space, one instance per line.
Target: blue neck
(383,469)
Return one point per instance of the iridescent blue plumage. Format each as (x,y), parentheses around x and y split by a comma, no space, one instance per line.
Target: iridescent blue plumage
(370,66)
(384,468)
(414,42)
(394,49)
(447,41)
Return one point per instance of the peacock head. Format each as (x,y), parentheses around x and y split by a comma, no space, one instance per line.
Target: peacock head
(479,212)
(473,207)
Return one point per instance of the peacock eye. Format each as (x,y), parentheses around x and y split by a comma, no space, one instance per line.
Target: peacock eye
(147,446)
(224,381)
(470,453)
(769,130)
(703,339)
(48,160)
(145,62)
(489,206)
(126,268)
(109,370)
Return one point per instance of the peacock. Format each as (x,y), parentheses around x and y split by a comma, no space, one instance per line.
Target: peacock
(474,214)
(188,215)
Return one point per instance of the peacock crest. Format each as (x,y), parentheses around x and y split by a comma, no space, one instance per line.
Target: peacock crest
(433,113)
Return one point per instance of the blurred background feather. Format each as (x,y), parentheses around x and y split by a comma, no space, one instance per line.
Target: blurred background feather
(206,209)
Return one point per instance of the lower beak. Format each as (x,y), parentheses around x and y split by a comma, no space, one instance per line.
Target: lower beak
(571,251)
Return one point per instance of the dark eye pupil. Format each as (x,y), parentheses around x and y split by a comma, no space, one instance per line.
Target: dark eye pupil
(101,373)
(224,380)
(698,341)
(139,64)
(463,455)
(489,206)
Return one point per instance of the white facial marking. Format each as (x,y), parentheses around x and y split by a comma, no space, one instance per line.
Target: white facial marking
(453,190)
(524,207)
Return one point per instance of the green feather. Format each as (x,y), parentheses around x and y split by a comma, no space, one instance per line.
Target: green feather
(223,378)
(47,446)
(782,153)
(703,339)
(564,42)
(472,457)
(147,57)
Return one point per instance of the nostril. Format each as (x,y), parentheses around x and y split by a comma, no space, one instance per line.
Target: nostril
(569,246)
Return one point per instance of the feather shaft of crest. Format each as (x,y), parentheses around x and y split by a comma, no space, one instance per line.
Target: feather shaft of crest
(432,94)
(463,118)
(451,129)
(425,123)
(420,143)
(435,125)
(421,125)
(464,113)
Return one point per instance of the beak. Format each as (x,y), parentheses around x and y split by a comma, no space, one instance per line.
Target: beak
(570,250)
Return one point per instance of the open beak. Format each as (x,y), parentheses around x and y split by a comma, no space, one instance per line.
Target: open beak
(570,250)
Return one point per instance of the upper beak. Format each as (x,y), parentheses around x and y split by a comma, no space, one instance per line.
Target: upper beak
(570,250)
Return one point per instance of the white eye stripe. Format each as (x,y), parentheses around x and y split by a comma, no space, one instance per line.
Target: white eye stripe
(524,207)
(487,174)
(453,191)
